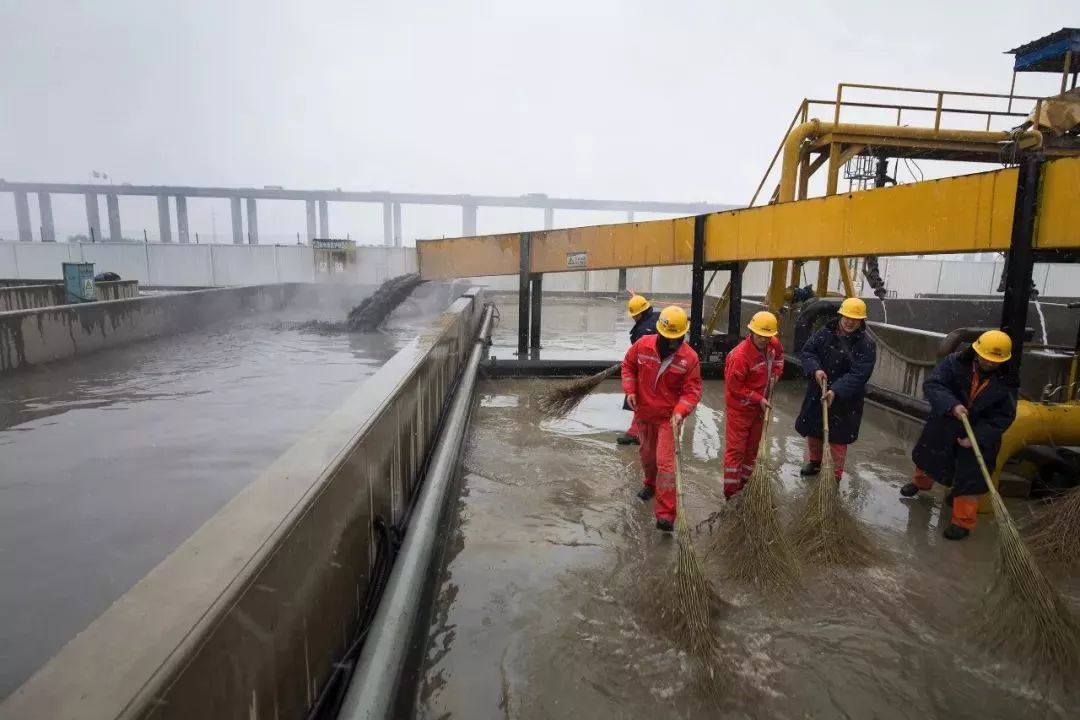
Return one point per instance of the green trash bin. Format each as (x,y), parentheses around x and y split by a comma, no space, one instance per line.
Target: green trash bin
(79,283)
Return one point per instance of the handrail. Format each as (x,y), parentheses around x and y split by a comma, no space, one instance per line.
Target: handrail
(800,117)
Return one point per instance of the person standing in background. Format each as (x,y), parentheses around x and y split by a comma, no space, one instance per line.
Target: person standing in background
(645,318)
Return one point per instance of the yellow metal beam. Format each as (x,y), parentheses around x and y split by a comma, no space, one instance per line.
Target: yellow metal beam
(970,213)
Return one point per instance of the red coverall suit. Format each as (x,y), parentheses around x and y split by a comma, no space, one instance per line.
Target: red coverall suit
(661,388)
(746,377)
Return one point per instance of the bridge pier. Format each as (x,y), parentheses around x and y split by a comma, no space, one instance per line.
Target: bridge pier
(397,224)
(93,217)
(22,216)
(163,220)
(253,222)
(112,209)
(48,228)
(324,219)
(182,229)
(549,218)
(310,209)
(237,221)
(388,224)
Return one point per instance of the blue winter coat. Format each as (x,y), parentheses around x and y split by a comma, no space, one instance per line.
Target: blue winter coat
(644,325)
(848,360)
(991,413)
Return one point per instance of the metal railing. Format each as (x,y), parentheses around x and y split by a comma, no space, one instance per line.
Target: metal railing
(939,109)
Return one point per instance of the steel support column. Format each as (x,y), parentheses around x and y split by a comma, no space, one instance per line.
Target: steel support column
(735,303)
(253,222)
(309,210)
(697,284)
(112,210)
(183,231)
(22,216)
(48,227)
(536,298)
(622,280)
(163,220)
(1014,308)
(237,221)
(523,295)
(93,217)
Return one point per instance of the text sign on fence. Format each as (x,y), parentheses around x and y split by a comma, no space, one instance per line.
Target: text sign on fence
(332,244)
(577,259)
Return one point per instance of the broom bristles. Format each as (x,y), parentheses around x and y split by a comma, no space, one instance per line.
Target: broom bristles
(759,551)
(561,400)
(1024,616)
(1057,536)
(825,531)
(696,600)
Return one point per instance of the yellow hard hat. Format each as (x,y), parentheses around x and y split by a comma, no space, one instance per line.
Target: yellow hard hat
(763,323)
(673,322)
(853,308)
(638,304)
(993,345)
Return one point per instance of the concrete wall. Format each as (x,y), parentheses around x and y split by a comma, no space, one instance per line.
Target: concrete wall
(25,297)
(176,265)
(33,337)
(249,615)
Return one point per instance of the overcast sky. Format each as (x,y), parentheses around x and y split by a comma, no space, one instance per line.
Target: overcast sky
(668,100)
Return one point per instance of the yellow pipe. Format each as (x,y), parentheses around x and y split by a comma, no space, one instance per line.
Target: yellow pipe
(879,135)
(1036,424)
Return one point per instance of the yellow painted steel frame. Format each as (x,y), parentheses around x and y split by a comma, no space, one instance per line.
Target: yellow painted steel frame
(1036,424)
(970,213)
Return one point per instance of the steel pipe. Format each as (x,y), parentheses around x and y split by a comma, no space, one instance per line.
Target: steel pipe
(374,686)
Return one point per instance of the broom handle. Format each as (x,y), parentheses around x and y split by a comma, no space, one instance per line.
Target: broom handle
(824,415)
(979,455)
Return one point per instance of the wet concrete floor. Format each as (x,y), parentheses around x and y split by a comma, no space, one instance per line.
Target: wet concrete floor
(549,606)
(109,461)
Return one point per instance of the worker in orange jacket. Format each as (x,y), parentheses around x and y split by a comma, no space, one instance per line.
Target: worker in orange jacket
(661,376)
(749,372)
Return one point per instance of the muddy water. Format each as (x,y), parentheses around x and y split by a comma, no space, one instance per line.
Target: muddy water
(551,602)
(109,461)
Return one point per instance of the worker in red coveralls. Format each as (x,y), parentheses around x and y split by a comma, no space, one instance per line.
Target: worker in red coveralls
(749,372)
(661,376)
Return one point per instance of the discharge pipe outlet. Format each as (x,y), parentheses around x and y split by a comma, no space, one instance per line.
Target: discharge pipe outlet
(374,686)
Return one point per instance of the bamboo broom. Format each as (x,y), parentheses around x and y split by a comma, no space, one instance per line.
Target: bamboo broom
(824,531)
(1025,617)
(1058,534)
(561,400)
(696,598)
(759,551)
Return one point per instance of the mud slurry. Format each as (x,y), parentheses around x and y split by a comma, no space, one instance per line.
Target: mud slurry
(556,599)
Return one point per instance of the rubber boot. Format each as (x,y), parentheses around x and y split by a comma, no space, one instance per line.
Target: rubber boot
(909,490)
(955,532)
(627,439)
(810,469)
(645,494)
(665,525)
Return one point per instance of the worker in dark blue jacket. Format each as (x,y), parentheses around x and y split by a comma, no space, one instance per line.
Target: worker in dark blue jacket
(645,318)
(841,357)
(981,384)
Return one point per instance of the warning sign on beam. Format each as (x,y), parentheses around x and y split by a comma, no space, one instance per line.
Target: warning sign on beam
(577,259)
